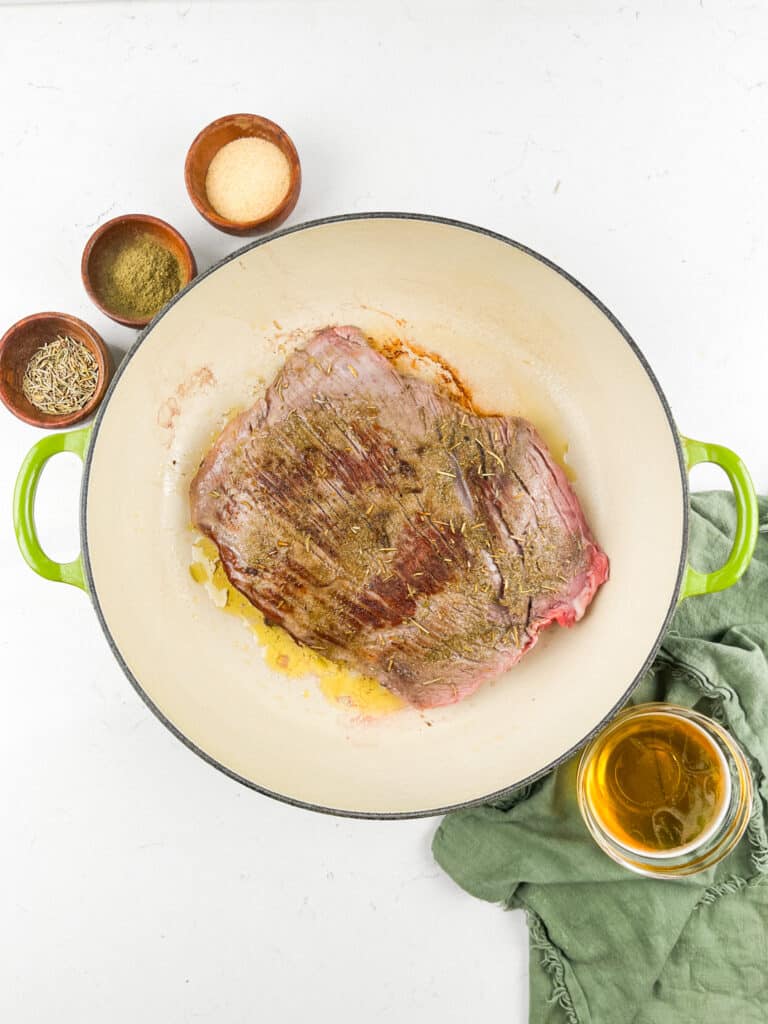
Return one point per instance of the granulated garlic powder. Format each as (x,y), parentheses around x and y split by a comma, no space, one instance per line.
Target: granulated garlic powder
(247,179)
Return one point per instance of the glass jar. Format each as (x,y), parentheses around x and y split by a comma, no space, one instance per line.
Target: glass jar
(664,790)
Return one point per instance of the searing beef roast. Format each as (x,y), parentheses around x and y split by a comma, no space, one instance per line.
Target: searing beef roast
(381,524)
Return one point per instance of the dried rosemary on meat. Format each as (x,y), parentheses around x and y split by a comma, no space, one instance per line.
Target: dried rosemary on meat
(61,377)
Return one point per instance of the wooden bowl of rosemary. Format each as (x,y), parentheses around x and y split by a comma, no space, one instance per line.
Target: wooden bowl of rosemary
(54,370)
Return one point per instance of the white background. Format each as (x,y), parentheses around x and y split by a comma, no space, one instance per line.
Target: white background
(626,141)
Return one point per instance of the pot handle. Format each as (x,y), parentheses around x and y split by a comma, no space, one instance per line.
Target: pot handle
(747,517)
(24,507)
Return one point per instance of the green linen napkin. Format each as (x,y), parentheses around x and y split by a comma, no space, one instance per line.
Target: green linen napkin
(608,946)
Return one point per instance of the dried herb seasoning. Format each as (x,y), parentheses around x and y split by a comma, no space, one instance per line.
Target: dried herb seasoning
(61,377)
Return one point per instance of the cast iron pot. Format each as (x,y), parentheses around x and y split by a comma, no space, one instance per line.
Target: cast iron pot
(526,338)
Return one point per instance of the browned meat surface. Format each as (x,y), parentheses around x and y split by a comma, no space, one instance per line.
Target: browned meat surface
(381,524)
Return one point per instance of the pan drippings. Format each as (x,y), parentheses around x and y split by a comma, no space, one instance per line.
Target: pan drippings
(658,784)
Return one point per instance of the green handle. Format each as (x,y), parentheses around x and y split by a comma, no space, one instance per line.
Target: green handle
(747,518)
(24,507)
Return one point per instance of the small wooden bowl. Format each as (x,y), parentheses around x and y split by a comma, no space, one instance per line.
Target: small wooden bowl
(19,344)
(110,235)
(207,144)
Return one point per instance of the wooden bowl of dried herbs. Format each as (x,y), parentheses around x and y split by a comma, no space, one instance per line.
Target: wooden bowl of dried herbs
(54,369)
(133,266)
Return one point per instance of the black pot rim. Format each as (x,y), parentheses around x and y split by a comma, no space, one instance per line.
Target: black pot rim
(344,812)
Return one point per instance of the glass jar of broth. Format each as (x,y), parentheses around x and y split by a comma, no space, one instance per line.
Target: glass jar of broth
(664,790)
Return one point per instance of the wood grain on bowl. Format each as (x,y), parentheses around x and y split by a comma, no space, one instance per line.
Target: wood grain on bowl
(122,230)
(19,344)
(208,143)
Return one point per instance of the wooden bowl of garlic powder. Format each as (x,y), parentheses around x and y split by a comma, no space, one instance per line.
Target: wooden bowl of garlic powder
(243,174)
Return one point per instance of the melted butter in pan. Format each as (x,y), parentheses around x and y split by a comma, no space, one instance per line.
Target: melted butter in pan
(281,652)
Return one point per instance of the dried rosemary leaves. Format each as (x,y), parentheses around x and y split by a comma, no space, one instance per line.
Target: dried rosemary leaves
(61,377)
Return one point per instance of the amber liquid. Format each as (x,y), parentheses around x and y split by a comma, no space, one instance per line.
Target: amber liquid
(658,783)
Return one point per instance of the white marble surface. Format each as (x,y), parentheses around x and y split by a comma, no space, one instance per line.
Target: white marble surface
(627,143)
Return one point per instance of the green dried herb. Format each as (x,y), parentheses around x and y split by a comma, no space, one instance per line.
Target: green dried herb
(61,377)
(136,277)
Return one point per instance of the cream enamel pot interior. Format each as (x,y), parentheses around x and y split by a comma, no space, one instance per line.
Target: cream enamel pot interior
(526,338)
